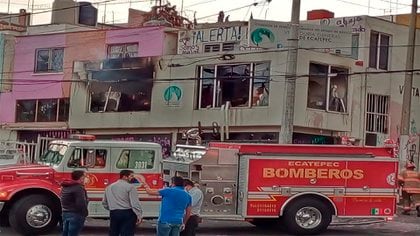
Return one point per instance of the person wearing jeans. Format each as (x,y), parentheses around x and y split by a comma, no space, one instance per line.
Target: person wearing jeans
(175,208)
(74,203)
(197,200)
(122,200)
(72,223)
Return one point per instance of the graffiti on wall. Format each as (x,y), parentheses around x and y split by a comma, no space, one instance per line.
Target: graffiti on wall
(192,41)
(355,23)
(415,91)
(409,146)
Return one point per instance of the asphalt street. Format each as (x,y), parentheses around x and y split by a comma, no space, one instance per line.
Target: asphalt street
(401,225)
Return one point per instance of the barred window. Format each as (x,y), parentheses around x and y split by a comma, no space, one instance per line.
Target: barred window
(377,113)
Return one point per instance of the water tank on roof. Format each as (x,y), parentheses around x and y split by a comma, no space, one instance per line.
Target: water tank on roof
(88,14)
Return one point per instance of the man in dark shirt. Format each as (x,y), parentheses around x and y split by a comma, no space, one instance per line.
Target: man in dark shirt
(74,203)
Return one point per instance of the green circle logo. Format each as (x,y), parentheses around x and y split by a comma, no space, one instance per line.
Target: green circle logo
(257,36)
(172,93)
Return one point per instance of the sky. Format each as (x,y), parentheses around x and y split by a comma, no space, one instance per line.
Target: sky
(207,10)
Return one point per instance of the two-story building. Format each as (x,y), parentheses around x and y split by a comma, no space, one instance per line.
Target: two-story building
(220,85)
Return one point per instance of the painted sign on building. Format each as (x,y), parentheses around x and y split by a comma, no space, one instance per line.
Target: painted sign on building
(274,34)
(212,39)
(172,95)
(355,23)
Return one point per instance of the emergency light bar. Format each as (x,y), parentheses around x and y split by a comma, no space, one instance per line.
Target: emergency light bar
(84,137)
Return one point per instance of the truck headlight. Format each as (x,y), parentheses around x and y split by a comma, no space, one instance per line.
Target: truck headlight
(3,194)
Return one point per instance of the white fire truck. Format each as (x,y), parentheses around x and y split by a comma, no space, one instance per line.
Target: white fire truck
(299,186)
(29,192)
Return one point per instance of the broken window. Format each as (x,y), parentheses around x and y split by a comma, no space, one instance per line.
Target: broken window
(243,85)
(121,90)
(379,50)
(49,60)
(327,88)
(123,50)
(42,110)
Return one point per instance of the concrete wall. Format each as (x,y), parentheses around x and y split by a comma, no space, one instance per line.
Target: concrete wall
(82,46)
(184,114)
(150,39)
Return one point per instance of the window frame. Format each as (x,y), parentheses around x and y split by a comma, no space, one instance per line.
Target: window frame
(378,50)
(216,82)
(125,52)
(373,110)
(129,150)
(328,76)
(50,53)
(58,115)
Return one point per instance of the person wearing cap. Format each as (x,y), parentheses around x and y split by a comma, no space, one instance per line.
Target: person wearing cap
(409,179)
(197,200)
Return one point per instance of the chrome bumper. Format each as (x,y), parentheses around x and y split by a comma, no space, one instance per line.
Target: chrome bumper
(2,205)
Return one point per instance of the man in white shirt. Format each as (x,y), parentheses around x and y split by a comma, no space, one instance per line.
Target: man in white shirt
(197,200)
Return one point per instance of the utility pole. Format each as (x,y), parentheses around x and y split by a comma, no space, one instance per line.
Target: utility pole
(408,82)
(286,132)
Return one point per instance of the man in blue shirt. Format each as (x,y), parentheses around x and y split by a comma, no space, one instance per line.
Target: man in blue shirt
(175,208)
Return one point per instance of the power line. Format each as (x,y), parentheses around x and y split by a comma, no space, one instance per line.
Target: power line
(234,9)
(180,79)
(60,9)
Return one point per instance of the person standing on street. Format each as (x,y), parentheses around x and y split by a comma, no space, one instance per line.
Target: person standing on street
(175,208)
(122,200)
(196,202)
(74,203)
(410,182)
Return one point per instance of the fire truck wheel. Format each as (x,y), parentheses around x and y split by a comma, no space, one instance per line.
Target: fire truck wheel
(33,214)
(307,216)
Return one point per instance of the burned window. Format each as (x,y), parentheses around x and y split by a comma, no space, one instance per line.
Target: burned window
(327,88)
(49,60)
(123,50)
(42,110)
(121,90)
(242,85)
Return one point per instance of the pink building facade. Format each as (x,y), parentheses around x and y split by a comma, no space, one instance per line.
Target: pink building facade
(39,101)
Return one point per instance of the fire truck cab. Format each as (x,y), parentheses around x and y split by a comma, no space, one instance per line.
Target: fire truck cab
(29,193)
(299,186)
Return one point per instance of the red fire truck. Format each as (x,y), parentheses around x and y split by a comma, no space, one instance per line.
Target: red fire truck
(299,186)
